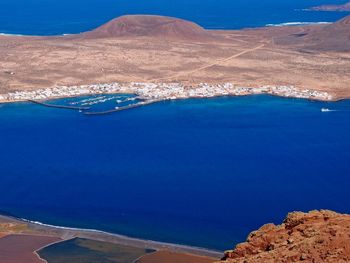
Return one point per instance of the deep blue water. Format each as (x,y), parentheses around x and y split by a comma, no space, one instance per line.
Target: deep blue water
(198,172)
(49,17)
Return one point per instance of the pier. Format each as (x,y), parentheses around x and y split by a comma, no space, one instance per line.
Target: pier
(59,106)
(131,106)
(164,91)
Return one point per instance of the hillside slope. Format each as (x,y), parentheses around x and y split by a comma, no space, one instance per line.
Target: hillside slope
(150,26)
(330,37)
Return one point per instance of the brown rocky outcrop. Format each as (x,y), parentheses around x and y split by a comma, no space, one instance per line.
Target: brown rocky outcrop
(317,236)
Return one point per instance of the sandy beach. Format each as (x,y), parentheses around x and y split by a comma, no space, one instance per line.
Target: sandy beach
(36,228)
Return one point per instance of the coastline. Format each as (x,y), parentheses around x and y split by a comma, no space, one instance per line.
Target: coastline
(67,233)
(156,92)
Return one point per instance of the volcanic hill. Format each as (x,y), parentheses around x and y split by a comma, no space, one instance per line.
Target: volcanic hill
(335,36)
(331,37)
(150,26)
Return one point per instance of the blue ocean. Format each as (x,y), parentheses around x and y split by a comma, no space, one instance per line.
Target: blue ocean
(200,172)
(52,17)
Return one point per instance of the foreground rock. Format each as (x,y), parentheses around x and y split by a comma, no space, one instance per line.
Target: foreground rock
(318,236)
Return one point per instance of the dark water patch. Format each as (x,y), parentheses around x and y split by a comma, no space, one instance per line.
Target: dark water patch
(90,251)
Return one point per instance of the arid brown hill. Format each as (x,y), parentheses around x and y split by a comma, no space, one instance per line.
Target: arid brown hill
(150,26)
(331,37)
(318,236)
(339,8)
(335,36)
(343,24)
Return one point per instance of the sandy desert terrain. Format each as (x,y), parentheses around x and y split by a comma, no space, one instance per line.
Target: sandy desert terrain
(160,49)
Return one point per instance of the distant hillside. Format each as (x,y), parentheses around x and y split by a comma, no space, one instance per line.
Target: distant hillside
(331,37)
(335,36)
(150,26)
(339,8)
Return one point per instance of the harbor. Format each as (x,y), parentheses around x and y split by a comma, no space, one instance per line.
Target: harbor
(59,106)
(122,108)
(163,91)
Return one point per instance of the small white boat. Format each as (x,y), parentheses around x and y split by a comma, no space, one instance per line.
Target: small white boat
(325,110)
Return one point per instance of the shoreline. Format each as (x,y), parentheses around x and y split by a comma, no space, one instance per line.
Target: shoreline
(67,233)
(149,92)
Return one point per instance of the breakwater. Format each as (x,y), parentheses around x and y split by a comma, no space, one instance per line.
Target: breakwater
(164,91)
(131,106)
(58,106)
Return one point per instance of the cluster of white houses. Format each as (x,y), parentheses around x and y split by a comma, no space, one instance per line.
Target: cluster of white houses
(163,91)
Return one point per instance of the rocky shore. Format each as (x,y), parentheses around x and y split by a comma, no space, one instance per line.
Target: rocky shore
(317,236)
(164,91)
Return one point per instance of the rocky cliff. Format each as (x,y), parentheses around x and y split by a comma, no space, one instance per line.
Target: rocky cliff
(317,236)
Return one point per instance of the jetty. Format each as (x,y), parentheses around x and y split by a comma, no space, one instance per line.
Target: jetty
(131,106)
(163,91)
(59,106)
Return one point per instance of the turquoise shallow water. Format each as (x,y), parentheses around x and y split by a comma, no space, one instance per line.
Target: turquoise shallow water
(197,172)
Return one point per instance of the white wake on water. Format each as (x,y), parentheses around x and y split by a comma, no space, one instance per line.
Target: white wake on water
(21,35)
(14,35)
(298,24)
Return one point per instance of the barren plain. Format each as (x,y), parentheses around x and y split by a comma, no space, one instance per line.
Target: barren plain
(161,50)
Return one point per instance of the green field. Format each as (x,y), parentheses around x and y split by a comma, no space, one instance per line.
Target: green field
(80,250)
